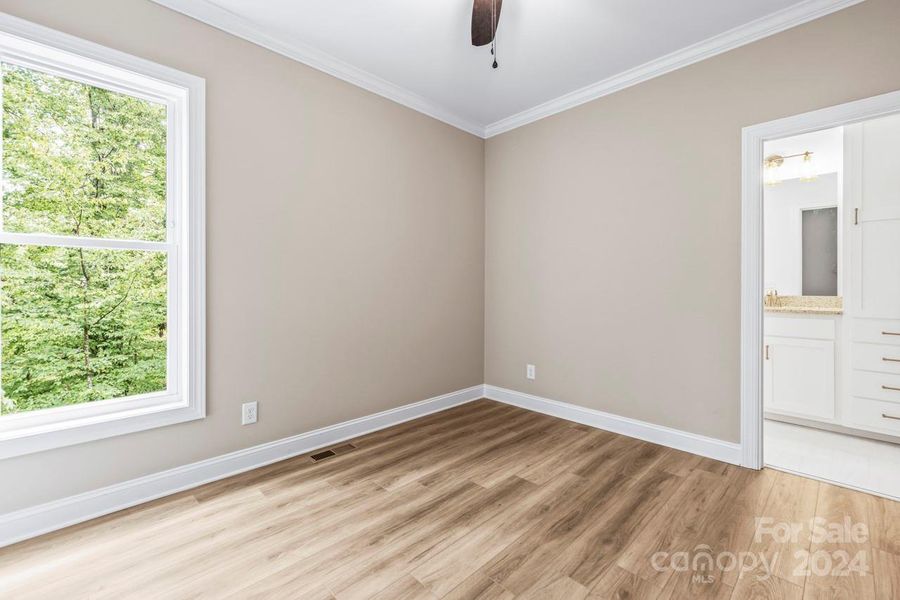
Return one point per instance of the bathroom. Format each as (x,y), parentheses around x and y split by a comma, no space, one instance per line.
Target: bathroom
(831,264)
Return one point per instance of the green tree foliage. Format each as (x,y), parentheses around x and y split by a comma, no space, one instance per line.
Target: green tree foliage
(80,325)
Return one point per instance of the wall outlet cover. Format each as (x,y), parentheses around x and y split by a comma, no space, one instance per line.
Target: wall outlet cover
(248,413)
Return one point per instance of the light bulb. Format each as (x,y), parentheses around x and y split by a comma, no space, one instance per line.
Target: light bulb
(771,173)
(808,169)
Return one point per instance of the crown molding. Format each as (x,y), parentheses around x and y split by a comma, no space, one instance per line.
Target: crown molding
(729,40)
(218,17)
(229,22)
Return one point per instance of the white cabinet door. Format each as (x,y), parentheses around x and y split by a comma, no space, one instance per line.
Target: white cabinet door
(799,377)
(880,176)
(872,180)
(877,273)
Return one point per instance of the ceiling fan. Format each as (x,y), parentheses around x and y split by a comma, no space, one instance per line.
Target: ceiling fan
(485,17)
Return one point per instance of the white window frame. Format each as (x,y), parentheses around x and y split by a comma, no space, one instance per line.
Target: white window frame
(33,46)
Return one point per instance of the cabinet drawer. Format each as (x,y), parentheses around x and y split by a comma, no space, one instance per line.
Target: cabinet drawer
(800,327)
(877,331)
(877,386)
(876,415)
(876,357)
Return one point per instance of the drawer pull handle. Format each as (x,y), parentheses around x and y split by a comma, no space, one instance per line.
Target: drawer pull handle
(889,333)
(887,416)
(886,359)
(893,389)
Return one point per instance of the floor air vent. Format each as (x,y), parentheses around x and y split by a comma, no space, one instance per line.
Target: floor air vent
(322,455)
(334,452)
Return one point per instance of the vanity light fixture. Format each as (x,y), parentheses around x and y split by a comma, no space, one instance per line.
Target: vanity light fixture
(774,162)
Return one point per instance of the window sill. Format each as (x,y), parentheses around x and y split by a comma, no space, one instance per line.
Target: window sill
(36,437)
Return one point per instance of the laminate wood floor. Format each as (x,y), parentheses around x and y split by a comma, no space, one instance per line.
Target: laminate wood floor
(480,501)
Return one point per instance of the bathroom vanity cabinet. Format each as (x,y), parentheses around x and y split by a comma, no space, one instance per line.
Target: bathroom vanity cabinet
(812,376)
(800,358)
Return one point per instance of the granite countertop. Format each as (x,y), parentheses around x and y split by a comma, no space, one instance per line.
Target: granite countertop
(810,305)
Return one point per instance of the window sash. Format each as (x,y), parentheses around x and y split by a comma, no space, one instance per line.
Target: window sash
(174,383)
(73,241)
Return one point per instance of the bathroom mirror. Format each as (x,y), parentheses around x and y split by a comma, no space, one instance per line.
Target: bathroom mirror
(803,212)
(819,251)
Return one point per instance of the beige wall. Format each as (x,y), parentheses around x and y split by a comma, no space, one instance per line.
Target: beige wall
(345,251)
(613,229)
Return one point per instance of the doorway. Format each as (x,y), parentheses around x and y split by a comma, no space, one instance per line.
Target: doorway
(820,361)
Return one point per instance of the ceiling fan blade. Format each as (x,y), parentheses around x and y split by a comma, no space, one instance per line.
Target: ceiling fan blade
(482,28)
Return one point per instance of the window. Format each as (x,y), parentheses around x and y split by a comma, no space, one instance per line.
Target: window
(101,242)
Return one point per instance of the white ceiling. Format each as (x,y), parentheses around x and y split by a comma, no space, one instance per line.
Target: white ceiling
(419,52)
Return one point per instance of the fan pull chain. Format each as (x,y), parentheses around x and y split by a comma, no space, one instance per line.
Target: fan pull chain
(494,33)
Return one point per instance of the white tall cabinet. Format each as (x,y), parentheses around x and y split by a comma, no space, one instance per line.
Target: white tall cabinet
(872,193)
(872,301)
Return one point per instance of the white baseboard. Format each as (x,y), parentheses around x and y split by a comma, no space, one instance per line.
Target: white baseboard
(657,434)
(30,522)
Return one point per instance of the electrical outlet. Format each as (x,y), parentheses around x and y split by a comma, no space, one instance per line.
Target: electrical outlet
(530,372)
(248,413)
